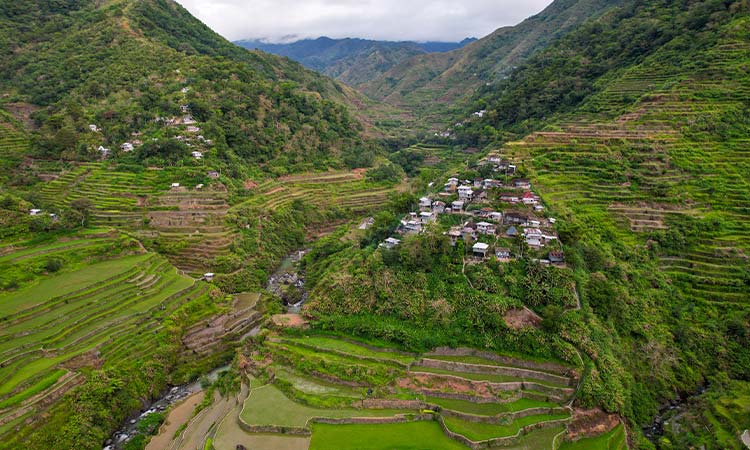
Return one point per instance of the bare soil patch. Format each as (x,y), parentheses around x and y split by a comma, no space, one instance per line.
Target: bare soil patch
(289,321)
(591,423)
(177,416)
(518,319)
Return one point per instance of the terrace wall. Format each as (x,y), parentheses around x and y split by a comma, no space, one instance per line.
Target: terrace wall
(462,351)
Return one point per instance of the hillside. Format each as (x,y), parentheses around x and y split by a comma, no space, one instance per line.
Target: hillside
(430,86)
(351,61)
(120,65)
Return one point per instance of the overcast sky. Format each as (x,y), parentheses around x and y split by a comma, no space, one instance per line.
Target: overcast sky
(395,20)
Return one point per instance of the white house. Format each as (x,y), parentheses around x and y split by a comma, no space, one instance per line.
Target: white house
(465,192)
(480,249)
(496,216)
(454,234)
(390,243)
(127,147)
(486,228)
(412,226)
(175,185)
(197,155)
(425,203)
(457,206)
(427,217)
(438,207)
(529,198)
(192,129)
(188,120)
(199,186)
(35,212)
(185,90)
(104,151)
(93,128)
(209,276)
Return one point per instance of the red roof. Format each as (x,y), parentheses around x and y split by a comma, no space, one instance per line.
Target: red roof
(528,195)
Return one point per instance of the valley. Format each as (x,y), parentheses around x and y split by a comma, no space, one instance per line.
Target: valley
(535,240)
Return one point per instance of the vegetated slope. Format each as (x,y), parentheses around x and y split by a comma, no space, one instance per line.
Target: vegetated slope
(352,61)
(432,84)
(121,64)
(647,155)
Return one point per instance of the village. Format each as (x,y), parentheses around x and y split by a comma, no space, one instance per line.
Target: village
(494,219)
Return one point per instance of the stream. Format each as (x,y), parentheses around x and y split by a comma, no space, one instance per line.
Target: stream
(288,282)
(170,398)
(669,413)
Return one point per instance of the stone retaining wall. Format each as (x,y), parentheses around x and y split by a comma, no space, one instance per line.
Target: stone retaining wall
(462,351)
(469,397)
(498,442)
(503,417)
(378,403)
(495,370)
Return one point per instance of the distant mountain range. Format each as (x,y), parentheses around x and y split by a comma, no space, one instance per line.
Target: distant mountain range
(353,61)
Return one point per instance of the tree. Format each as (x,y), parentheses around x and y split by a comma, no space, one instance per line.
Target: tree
(81,208)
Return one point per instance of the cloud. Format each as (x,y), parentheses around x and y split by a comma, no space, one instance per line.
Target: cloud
(418,20)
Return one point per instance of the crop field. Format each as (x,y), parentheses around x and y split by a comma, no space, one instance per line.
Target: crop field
(662,165)
(309,371)
(614,440)
(89,314)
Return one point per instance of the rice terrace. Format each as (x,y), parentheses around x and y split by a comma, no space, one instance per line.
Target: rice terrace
(374,226)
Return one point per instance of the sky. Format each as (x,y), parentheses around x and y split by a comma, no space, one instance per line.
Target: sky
(393,20)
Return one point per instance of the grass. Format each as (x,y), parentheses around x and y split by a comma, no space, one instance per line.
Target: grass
(63,284)
(267,405)
(494,378)
(43,384)
(537,439)
(350,348)
(314,386)
(400,436)
(614,440)
(488,409)
(483,431)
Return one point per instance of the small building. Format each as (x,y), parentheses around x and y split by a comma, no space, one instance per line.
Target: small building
(533,232)
(390,243)
(184,109)
(175,185)
(457,206)
(465,192)
(412,226)
(515,218)
(486,228)
(509,197)
(212,174)
(197,155)
(425,203)
(199,186)
(454,234)
(556,257)
(438,207)
(534,242)
(192,129)
(94,128)
(480,249)
(511,231)
(427,217)
(503,254)
(529,198)
(469,232)
(104,151)
(522,183)
(188,120)
(185,90)
(209,276)
(35,212)
(496,216)
(127,147)
(478,183)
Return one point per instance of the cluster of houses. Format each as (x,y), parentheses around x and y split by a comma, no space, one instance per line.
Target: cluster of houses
(38,212)
(187,121)
(484,226)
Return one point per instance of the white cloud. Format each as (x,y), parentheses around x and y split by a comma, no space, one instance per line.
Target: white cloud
(419,20)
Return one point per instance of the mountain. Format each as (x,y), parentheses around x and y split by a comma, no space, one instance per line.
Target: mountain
(121,64)
(352,61)
(431,85)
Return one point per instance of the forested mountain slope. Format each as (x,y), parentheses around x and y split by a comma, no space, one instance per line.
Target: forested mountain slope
(352,61)
(121,64)
(432,84)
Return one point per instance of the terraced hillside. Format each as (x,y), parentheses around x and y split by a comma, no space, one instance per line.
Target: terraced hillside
(319,392)
(672,169)
(106,305)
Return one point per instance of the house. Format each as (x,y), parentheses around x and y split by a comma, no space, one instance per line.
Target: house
(185,90)
(495,159)
(482,196)
(481,113)
(53,217)
(390,243)
(425,203)
(175,185)
(484,212)
(529,198)
(533,232)
(438,207)
(509,197)
(185,109)
(451,185)
(534,242)
(515,218)
(465,193)
(212,174)
(496,216)
(209,276)
(104,151)
(192,129)
(510,170)
(199,186)
(412,226)
(427,217)
(454,234)
(538,208)
(35,212)
(94,128)
(469,231)
(552,220)
(511,232)
(480,249)
(478,183)
(522,183)
(126,147)
(490,183)
(503,254)
(457,206)
(556,257)
(188,120)
(197,155)
(486,228)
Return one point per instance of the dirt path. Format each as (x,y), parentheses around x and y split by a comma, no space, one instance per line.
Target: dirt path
(177,416)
